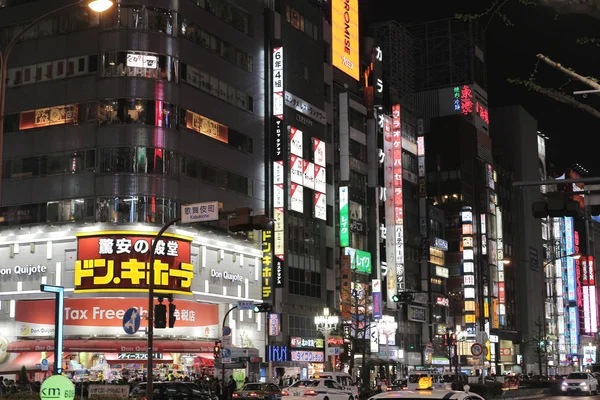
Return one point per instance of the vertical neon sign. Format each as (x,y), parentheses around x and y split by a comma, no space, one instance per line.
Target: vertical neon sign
(396,198)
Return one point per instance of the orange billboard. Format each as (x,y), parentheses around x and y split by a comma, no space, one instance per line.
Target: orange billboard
(35,318)
(344,36)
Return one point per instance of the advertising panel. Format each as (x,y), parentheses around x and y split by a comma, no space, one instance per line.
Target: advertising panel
(588,281)
(296,169)
(104,316)
(274,322)
(267,264)
(307,356)
(142,61)
(319,152)
(58,115)
(116,261)
(308,178)
(468,272)
(206,126)
(344,218)
(296,142)
(359,260)
(394,157)
(320,179)
(320,206)
(570,249)
(376,300)
(390,231)
(296,198)
(345,37)
(417,314)
(346,289)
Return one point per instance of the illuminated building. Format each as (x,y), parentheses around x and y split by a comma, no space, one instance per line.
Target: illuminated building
(112,123)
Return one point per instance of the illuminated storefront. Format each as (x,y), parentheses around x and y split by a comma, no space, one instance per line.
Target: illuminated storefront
(103,271)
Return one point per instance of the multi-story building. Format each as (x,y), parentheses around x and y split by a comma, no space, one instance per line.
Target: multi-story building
(113,122)
(515,138)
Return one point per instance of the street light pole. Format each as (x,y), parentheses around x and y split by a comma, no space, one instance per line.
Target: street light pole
(150,380)
(97,6)
(326,323)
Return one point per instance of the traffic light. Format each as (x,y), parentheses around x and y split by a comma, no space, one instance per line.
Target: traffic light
(172,319)
(446,343)
(395,298)
(263,307)
(160,315)
(453,337)
(404,297)
(242,221)
(217,349)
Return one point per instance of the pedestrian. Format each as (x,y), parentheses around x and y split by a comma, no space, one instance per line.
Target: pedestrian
(231,386)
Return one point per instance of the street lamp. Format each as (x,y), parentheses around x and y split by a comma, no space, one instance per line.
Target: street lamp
(95,5)
(325,324)
(388,326)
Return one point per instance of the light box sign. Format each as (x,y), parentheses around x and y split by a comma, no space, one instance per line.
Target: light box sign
(41,117)
(274,324)
(359,260)
(376,298)
(206,126)
(570,249)
(320,179)
(296,141)
(307,356)
(296,197)
(344,218)
(390,226)
(300,343)
(142,61)
(417,314)
(345,37)
(116,261)
(319,152)
(320,211)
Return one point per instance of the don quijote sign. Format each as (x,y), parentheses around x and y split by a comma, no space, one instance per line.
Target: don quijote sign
(22,270)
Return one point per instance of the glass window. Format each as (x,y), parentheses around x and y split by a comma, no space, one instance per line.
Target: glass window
(161,20)
(135,209)
(137,111)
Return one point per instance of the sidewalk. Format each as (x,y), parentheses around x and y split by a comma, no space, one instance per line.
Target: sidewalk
(526,394)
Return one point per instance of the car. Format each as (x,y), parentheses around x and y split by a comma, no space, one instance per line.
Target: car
(317,389)
(579,382)
(170,390)
(261,391)
(428,394)
(342,378)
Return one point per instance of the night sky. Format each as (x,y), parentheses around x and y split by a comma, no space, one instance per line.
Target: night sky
(574,135)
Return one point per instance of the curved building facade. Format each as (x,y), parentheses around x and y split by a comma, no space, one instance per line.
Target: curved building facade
(112,122)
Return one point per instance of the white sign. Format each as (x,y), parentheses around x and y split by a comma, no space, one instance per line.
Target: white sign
(278,193)
(319,152)
(308,179)
(116,391)
(296,169)
(141,61)
(296,139)
(245,305)
(24,270)
(320,206)
(278,172)
(296,198)
(320,179)
(200,212)
(305,108)
(226,275)
(278,70)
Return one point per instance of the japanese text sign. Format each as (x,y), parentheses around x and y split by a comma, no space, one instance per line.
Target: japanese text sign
(118,261)
(200,212)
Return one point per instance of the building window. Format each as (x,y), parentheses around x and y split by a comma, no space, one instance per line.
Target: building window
(137,111)
(52,70)
(152,19)
(298,21)
(217,45)
(139,65)
(128,209)
(197,169)
(142,160)
(304,283)
(227,12)
(216,87)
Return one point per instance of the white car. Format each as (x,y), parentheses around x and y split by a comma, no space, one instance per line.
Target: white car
(317,389)
(580,382)
(427,394)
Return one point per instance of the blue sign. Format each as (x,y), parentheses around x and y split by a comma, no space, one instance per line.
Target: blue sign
(226,331)
(245,305)
(440,244)
(278,353)
(131,321)
(226,352)
(377,312)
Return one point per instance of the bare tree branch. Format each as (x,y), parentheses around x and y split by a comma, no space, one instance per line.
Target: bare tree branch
(554,95)
(588,81)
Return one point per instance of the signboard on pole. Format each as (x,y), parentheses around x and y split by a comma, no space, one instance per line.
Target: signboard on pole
(200,212)
(245,305)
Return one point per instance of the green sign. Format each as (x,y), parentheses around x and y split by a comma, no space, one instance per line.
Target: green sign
(360,260)
(57,387)
(344,219)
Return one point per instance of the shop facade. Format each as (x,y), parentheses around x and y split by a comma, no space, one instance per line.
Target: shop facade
(103,269)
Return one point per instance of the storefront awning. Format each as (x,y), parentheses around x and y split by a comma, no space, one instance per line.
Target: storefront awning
(113,346)
(29,360)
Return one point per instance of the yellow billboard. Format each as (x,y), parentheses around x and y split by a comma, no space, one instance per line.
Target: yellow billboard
(344,36)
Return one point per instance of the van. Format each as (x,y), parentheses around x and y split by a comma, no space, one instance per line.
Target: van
(342,378)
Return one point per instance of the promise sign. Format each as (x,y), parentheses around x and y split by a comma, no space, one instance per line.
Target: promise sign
(118,261)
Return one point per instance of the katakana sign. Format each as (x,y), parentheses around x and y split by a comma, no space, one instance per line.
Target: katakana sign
(119,262)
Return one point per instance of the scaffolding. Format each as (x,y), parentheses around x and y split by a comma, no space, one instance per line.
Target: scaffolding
(448,52)
(398,60)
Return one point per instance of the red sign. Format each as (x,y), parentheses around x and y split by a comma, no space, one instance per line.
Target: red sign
(397,164)
(119,262)
(113,346)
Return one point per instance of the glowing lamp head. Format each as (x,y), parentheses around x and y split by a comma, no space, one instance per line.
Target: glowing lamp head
(100,5)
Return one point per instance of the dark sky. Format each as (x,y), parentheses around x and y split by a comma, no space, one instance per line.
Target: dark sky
(510,53)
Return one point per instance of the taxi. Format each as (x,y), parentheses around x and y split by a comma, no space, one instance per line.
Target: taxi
(425,390)
(317,389)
